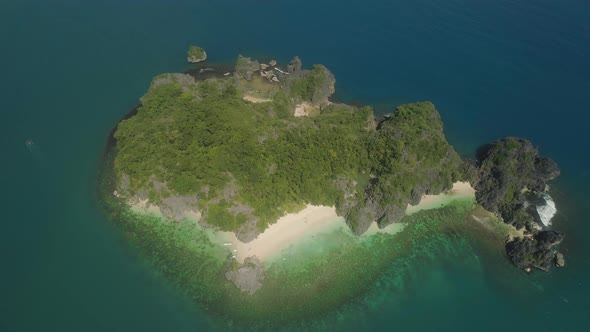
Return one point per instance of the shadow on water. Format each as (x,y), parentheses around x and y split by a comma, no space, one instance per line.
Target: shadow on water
(482,151)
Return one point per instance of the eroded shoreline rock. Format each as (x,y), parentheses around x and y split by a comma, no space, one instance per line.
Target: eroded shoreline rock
(247,276)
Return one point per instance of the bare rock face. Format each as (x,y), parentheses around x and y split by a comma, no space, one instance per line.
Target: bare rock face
(508,169)
(511,172)
(559,260)
(248,276)
(248,232)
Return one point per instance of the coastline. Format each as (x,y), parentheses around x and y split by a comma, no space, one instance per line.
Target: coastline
(427,202)
(293,228)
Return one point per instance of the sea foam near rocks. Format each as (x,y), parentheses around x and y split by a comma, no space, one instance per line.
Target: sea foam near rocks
(546,209)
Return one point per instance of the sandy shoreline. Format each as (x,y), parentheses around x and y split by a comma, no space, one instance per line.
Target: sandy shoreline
(286,231)
(459,190)
(311,221)
(314,220)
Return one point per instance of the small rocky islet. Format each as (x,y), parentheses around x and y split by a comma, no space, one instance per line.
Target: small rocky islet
(254,132)
(196,54)
(511,175)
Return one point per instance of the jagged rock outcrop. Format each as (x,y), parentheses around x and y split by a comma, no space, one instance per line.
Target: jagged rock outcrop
(245,68)
(423,164)
(509,169)
(270,75)
(538,251)
(248,276)
(511,175)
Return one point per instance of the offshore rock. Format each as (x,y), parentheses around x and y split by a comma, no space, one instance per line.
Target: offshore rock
(508,169)
(559,260)
(538,251)
(196,55)
(248,276)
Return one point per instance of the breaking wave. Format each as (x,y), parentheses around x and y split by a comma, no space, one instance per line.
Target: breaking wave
(546,209)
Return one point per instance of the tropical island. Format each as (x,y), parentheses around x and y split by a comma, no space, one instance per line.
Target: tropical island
(256,158)
(196,54)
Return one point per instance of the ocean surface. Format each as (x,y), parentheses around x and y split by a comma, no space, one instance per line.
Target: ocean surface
(494,68)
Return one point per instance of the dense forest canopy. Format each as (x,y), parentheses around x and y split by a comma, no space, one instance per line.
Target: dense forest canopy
(250,162)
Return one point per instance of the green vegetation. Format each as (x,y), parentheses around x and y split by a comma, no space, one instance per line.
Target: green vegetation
(411,151)
(344,268)
(182,253)
(305,87)
(408,157)
(207,137)
(249,162)
(196,53)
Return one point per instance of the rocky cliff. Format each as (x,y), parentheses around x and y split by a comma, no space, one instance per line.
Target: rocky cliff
(511,174)
(410,158)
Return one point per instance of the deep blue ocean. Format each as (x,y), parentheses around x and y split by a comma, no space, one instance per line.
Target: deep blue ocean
(72,69)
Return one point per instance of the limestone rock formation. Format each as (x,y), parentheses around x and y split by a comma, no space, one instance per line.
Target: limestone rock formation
(511,174)
(429,166)
(538,251)
(509,169)
(248,276)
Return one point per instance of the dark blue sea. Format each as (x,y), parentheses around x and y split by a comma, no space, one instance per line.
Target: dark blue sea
(72,69)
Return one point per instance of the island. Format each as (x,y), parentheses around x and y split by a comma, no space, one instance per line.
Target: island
(240,165)
(196,54)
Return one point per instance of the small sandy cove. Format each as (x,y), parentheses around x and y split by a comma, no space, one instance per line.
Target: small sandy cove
(322,219)
(286,231)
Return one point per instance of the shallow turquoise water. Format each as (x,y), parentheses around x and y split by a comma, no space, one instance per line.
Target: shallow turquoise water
(493,68)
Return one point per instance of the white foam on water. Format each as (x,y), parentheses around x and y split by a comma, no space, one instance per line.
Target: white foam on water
(548,210)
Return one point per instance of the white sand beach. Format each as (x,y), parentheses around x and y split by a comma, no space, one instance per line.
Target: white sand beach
(460,190)
(285,232)
(310,221)
(314,220)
